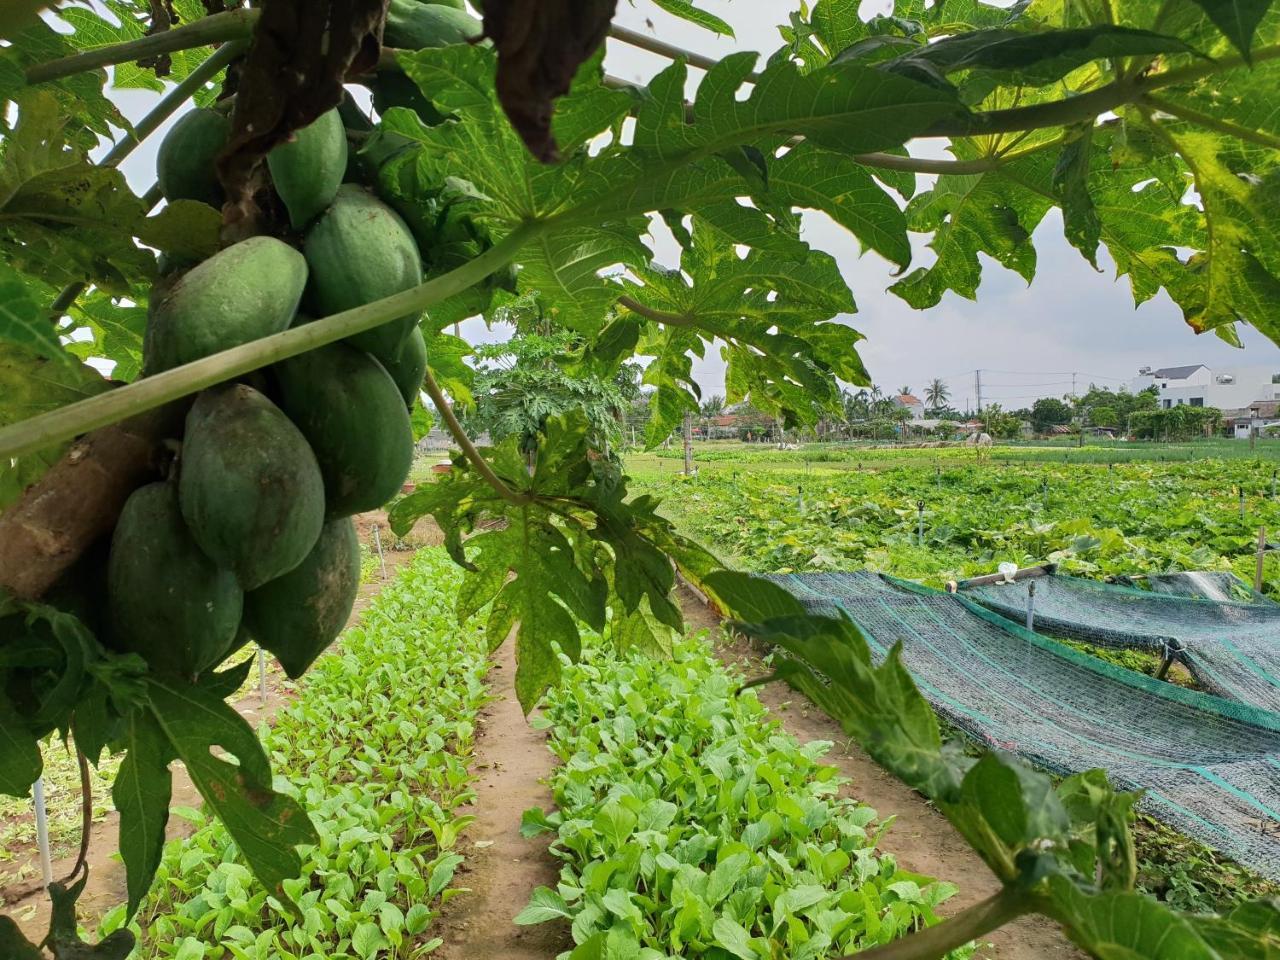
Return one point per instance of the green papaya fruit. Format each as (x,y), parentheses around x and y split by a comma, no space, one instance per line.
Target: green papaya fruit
(308,169)
(250,488)
(412,25)
(358,252)
(298,615)
(351,412)
(166,600)
(185,159)
(247,291)
(409,366)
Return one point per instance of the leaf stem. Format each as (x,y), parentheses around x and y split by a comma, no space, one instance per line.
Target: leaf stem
(971,923)
(1089,105)
(175,98)
(1191,115)
(663,49)
(65,423)
(218,28)
(657,316)
(468,448)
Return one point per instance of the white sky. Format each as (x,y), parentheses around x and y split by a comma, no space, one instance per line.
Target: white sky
(1028,340)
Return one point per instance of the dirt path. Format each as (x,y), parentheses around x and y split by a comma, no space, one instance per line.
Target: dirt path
(502,868)
(106,887)
(921,838)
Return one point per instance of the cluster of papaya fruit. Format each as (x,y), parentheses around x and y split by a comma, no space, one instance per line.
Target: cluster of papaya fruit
(251,536)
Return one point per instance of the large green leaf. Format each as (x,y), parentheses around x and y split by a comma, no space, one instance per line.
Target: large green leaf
(993,213)
(141,793)
(265,825)
(1237,19)
(64,219)
(20,761)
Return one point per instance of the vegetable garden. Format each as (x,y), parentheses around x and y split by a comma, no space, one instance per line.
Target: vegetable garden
(202,382)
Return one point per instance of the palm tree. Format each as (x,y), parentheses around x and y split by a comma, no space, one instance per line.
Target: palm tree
(936,394)
(904,391)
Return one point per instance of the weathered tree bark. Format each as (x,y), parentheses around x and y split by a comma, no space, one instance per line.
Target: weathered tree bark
(60,515)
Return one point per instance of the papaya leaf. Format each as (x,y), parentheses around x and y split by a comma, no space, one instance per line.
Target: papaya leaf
(1071,180)
(1126,925)
(1251,930)
(1019,803)
(1035,59)
(64,219)
(141,794)
(184,228)
(265,825)
(20,760)
(992,213)
(686,10)
(1237,19)
(23,323)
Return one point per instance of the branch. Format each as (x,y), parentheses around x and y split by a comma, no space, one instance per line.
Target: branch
(219,28)
(66,423)
(1190,115)
(76,502)
(657,316)
(468,448)
(967,925)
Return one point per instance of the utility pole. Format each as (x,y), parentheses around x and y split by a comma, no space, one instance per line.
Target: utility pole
(977,388)
(688,444)
(1073,386)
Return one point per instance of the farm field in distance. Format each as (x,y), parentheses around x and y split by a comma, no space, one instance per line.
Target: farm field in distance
(851,507)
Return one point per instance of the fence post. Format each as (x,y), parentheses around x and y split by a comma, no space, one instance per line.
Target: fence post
(920,524)
(42,830)
(1262,552)
(1031,605)
(1241,489)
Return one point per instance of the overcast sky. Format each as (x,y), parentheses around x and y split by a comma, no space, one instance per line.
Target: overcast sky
(1027,340)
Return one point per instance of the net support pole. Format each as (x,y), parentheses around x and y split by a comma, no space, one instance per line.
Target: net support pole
(1172,647)
(377,539)
(42,830)
(920,522)
(262,676)
(1031,605)
(1262,552)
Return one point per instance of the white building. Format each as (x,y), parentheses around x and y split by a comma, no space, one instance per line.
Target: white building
(912,404)
(1197,385)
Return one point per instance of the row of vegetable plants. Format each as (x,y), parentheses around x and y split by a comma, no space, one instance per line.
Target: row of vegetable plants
(935,522)
(378,744)
(691,825)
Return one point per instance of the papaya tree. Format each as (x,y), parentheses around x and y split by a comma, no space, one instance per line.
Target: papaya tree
(265,318)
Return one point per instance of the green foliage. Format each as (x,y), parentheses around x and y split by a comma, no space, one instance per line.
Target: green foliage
(1175,423)
(386,779)
(1093,520)
(1047,412)
(692,825)
(522,382)
(568,536)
